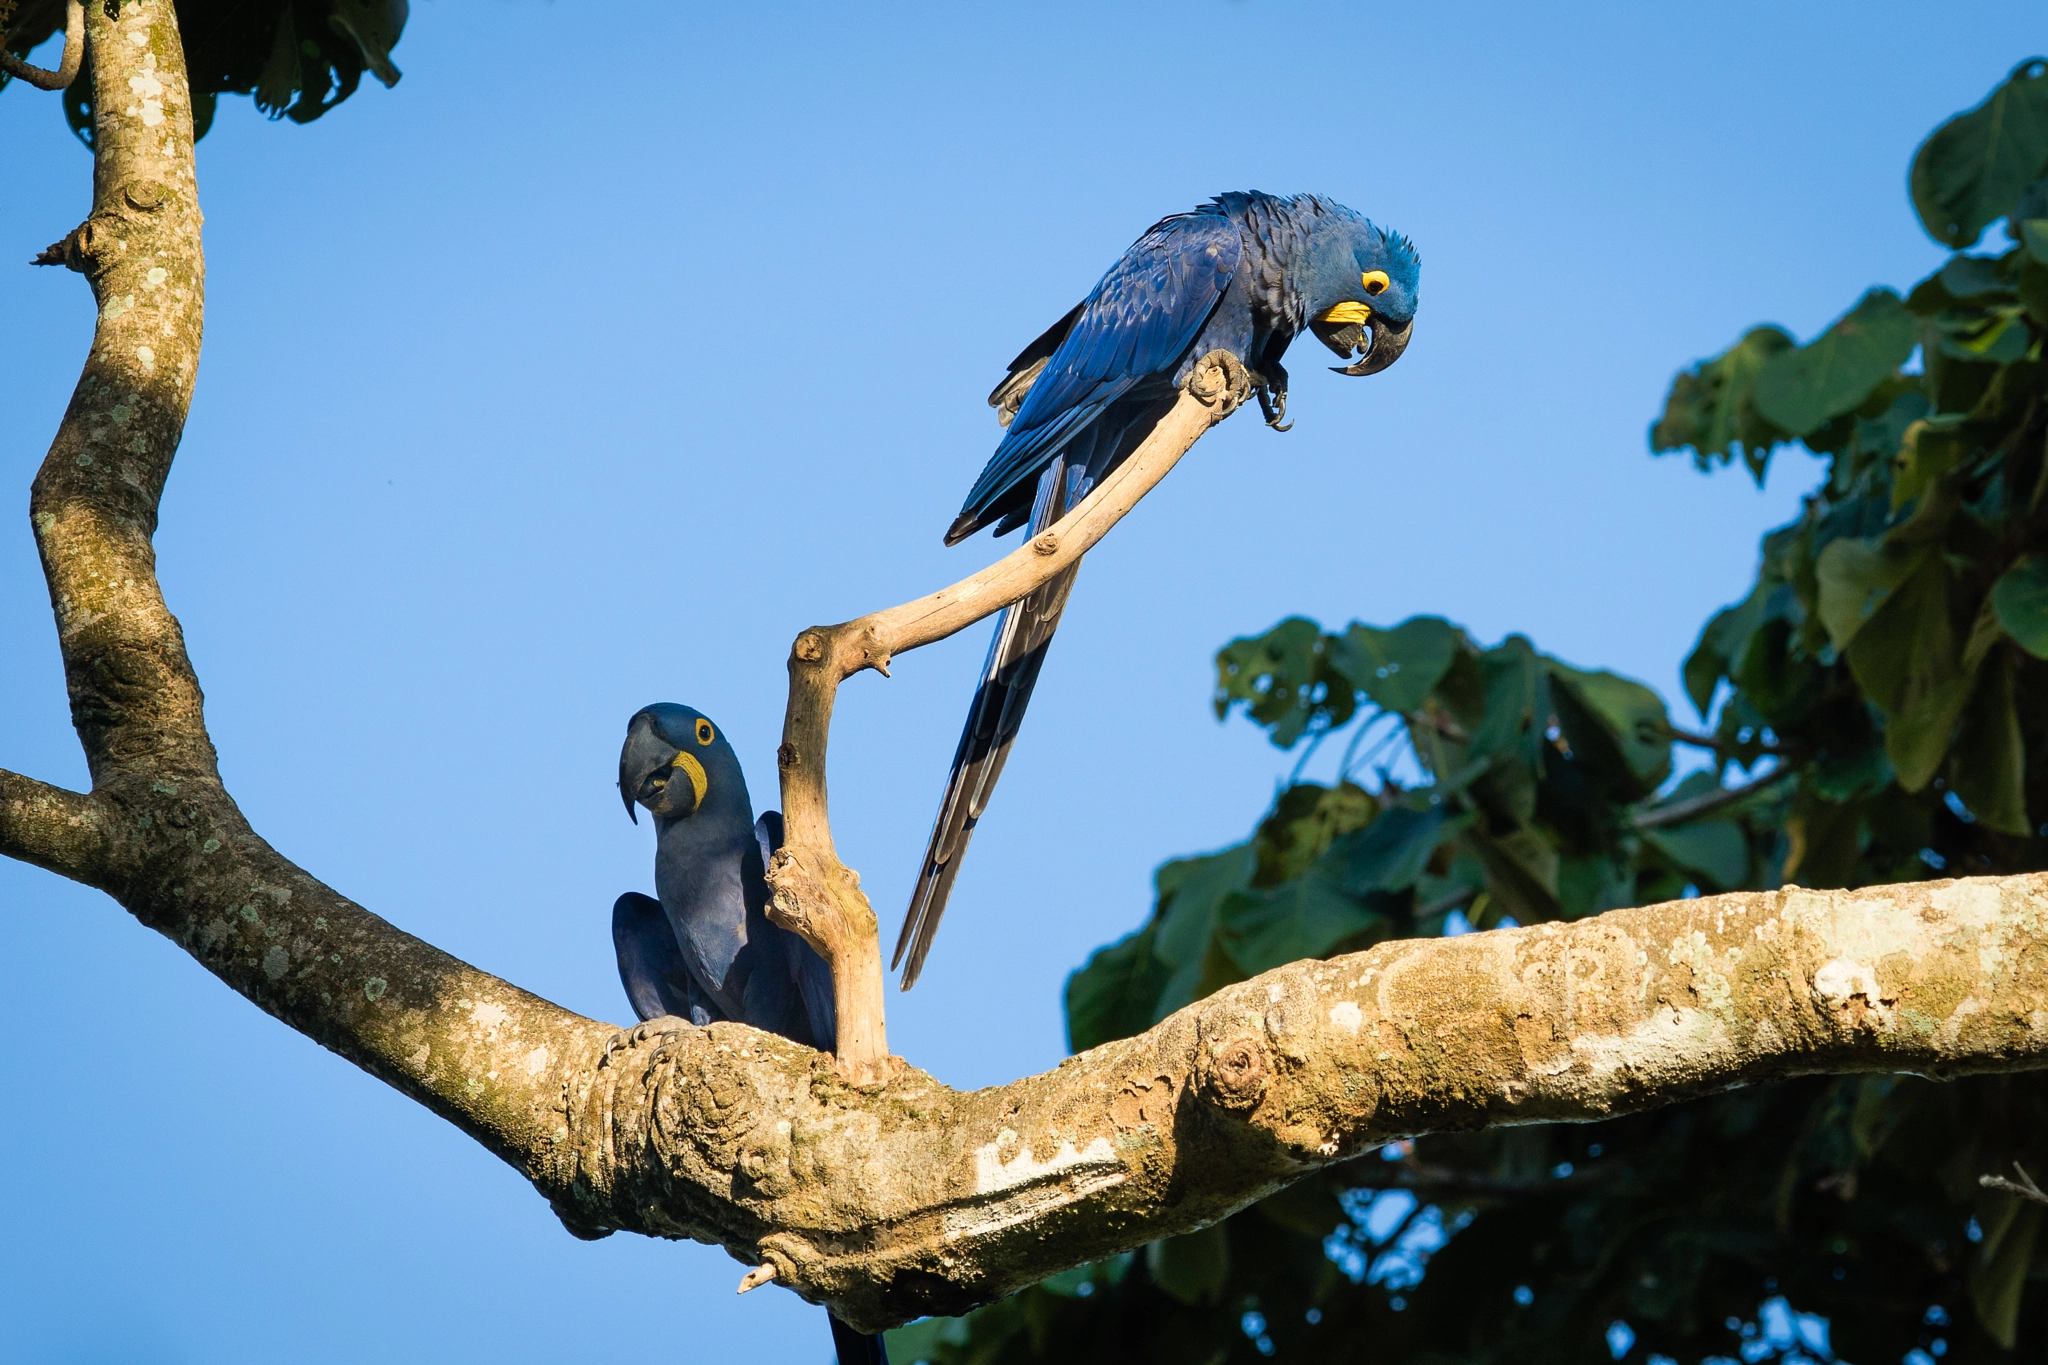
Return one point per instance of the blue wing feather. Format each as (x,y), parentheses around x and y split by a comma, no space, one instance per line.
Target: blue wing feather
(1134,329)
(651,964)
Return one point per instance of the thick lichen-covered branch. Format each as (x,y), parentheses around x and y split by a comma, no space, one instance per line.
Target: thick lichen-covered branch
(816,895)
(913,1198)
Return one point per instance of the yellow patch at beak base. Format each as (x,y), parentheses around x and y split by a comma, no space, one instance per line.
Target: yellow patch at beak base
(693,770)
(1346,312)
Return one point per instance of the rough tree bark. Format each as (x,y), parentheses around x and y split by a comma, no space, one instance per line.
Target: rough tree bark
(904,1197)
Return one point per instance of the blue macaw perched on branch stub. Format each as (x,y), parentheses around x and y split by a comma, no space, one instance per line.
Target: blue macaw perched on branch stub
(1245,273)
(705,951)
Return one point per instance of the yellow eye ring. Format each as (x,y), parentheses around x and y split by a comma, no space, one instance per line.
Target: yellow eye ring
(1375,281)
(705,734)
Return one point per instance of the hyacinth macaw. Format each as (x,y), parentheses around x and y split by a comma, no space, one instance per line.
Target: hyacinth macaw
(705,951)
(1244,273)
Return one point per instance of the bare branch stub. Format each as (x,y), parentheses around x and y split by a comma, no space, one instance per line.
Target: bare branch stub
(2023,1188)
(815,895)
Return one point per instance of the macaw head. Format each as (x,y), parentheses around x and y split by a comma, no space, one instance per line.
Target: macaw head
(1361,288)
(675,761)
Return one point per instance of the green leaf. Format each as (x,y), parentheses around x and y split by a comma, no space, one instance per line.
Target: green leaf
(1724,641)
(2033,286)
(1903,653)
(1998,1280)
(1306,918)
(2020,597)
(2033,234)
(1969,172)
(1999,336)
(1115,994)
(1192,1268)
(1800,390)
(1920,732)
(299,57)
(1512,676)
(1856,577)
(1715,849)
(1284,680)
(1190,890)
(926,1338)
(1397,668)
(1304,820)
(1711,410)
(1988,767)
(1391,852)
(1929,450)
(1633,715)
(1590,883)
(1970,277)
(1191,896)
(1521,873)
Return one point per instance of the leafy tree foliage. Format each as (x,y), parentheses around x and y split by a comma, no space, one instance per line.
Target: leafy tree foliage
(299,58)
(1879,712)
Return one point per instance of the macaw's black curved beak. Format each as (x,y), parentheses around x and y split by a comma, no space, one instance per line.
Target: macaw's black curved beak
(647,773)
(1377,342)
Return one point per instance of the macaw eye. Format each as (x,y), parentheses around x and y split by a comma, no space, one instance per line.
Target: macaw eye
(1375,281)
(705,734)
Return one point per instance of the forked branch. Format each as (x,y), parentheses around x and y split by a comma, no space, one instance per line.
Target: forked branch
(817,896)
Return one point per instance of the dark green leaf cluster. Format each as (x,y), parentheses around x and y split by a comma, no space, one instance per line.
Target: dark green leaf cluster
(1533,797)
(1878,707)
(299,58)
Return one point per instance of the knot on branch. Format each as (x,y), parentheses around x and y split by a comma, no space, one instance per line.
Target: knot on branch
(1234,1074)
(1221,381)
(818,899)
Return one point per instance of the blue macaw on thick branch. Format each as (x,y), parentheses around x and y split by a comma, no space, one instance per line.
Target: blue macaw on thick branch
(1245,273)
(706,951)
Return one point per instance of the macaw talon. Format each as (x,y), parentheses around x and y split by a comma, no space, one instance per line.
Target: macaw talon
(1273,405)
(625,1039)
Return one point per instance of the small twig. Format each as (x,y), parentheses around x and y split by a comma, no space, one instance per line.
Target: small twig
(67,68)
(816,896)
(2025,1188)
(1357,737)
(757,1277)
(1315,742)
(1693,807)
(1719,745)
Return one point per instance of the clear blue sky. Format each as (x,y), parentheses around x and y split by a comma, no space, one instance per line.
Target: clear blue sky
(619,343)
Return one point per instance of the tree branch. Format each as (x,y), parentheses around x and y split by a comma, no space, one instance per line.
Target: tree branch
(816,895)
(52,828)
(1706,803)
(67,65)
(894,1200)
(1719,745)
(2024,1187)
